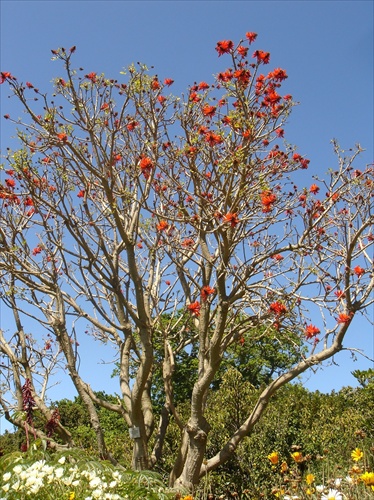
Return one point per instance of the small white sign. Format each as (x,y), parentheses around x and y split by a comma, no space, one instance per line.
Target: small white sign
(134,432)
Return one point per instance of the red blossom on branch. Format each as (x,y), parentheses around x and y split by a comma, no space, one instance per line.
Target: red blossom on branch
(213,139)
(11,183)
(278,308)
(203,86)
(168,82)
(242,51)
(206,291)
(314,189)
(267,200)
(194,308)
(37,250)
(311,331)
(146,165)
(208,110)
(262,57)
(162,226)
(359,271)
(224,47)
(251,37)
(92,77)
(231,218)
(344,318)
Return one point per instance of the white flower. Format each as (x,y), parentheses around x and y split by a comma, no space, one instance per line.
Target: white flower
(338,482)
(332,495)
(17,469)
(320,488)
(113,484)
(349,479)
(16,486)
(59,472)
(95,482)
(75,483)
(5,487)
(61,460)
(6,476)
(97,493)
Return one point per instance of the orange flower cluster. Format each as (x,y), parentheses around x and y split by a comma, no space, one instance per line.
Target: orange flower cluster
(267,199)
(206,291)
(194,308)
(278,308)
(311,331)
(146,165)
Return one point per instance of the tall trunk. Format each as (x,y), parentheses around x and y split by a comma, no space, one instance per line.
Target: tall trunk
(197,433)
(140,458)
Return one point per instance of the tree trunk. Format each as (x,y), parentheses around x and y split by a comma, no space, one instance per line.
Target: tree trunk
(196,445)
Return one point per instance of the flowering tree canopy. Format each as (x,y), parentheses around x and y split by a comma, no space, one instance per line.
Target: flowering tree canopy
(142,219)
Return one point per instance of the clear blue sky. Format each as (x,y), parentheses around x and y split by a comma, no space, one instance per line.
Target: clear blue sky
(325,46)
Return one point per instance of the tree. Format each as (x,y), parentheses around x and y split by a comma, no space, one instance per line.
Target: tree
(126,206)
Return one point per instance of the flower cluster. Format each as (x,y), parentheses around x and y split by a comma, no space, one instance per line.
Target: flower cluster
(85,480)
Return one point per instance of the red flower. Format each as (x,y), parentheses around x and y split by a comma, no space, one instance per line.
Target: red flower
(339,294)
(243,76)
(62,137)
(37,250)
(146,166)
(262,57)
(359,271)
(231,218)
(4,75)
(280,132)
(168,81)
(278,75)
(194,97)
(162,226)
(131,125)
(226,76)
(202,86)
(92,77)
(188,242)
(206,291)
(155,85)
(314,189)
(277,257)
(278,308)
(209,110)
(212,139)
(11,183)
(161,99)
(29,85)
(344,318)
(251,37)
(104,106)
(311,331)
(267,200)
(81,193)
(224,47)
(242,51)
(194,308)
(167,282)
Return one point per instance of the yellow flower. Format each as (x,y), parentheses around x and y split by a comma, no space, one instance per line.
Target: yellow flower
(274,457)
(357,454)
(309,478)
(187,497)
(297,456)
(368,478)
(72,495)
